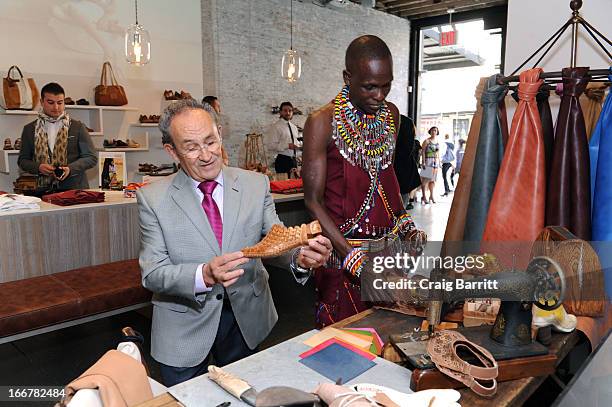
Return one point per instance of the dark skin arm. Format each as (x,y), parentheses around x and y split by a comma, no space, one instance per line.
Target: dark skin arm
(317,135)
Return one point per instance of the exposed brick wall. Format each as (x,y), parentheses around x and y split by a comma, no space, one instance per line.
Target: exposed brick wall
(243,43)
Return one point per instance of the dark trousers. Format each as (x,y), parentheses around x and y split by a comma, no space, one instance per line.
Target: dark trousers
(229,346)
(445,168)
(284,163)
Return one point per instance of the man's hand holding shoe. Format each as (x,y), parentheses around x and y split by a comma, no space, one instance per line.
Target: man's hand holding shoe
(220,270)
(315,254)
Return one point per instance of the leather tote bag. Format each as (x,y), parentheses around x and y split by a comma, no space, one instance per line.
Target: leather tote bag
(18,92)
(112,94)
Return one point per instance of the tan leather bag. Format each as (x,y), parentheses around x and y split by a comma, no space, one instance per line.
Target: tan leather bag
(18,93)
(109,95)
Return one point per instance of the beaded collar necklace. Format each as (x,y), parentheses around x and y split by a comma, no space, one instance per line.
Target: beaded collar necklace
(362,139)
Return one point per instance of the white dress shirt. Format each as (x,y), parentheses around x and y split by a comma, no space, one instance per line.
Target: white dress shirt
(278,137)
(217,196)
(52,129)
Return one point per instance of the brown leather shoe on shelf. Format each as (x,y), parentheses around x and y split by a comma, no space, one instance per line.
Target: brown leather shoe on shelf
(132,144)
(7,144)
(169,95)
(185,95)
(17,145)
(69,101)
(281,239)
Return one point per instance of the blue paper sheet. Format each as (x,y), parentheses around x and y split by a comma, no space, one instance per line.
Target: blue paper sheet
(337,362)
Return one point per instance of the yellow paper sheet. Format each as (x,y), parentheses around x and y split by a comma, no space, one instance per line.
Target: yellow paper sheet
(329,333)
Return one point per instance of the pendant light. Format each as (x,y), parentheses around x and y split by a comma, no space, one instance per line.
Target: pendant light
(137,43)
(291,65)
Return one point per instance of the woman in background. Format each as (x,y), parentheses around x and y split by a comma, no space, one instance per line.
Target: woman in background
(430,164)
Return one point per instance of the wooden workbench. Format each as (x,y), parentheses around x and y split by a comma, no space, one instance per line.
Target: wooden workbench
(510,393)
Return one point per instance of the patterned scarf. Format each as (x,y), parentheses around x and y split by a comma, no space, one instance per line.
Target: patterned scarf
(42,152)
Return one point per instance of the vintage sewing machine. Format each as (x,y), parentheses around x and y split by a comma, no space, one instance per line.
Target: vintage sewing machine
(542,284)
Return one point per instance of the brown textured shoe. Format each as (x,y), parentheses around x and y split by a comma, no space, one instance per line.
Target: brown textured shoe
(280,240)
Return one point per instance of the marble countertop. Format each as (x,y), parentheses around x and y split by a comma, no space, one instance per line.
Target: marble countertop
(280,366)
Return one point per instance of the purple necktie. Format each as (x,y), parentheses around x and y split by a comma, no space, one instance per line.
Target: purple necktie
(212,210)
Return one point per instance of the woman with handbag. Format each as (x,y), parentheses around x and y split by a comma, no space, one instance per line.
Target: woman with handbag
(430,163)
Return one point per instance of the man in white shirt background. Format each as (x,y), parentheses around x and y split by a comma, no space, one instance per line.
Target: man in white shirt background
(282,141)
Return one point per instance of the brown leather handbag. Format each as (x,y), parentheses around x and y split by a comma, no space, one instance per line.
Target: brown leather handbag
(18,92)
(109,95)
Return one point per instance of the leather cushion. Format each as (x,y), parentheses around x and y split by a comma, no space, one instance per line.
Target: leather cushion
(107,286)
(42,301)
(34,303)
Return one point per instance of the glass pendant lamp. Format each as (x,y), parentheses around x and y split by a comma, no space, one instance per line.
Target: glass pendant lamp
(137,43)
(291,64)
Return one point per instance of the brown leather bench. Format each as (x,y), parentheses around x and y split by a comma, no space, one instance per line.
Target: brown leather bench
(41,304)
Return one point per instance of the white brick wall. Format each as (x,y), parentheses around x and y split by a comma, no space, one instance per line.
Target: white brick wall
(243,43)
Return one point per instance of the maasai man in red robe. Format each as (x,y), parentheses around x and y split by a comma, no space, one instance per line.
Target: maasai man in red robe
(349,182)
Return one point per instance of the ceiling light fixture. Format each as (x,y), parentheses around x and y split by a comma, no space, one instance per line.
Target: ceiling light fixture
(137,43)
(291,64)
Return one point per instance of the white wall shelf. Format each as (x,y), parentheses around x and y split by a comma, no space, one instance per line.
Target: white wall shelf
(144,124)
(75,107)
(26,112)
(126,149)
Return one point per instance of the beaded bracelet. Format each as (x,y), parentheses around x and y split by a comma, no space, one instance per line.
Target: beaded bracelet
(354,261)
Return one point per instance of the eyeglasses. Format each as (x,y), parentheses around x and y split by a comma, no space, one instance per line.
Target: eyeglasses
(194,150)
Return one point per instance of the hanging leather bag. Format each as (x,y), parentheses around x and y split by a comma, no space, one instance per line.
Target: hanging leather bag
(18,92)
(112,94)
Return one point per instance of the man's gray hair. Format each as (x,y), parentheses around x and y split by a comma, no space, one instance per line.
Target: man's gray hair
(174,109)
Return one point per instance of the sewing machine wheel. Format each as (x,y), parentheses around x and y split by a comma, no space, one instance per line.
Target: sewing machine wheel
(550,282)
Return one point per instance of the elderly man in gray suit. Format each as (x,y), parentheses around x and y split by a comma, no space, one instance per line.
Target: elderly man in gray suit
(208,298)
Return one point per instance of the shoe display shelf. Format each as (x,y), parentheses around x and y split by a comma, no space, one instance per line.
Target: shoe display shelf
(4,160)
(92,116)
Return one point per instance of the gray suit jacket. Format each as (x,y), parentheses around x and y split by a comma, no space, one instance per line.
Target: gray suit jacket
(177,237)
(80,150)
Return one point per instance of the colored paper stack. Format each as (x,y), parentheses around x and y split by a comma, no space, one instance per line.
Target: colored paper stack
(342,354)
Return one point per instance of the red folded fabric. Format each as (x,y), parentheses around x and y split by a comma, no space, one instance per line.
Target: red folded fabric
(289,186)
(74,197)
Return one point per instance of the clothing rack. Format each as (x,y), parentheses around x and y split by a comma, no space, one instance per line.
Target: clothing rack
(575,21)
